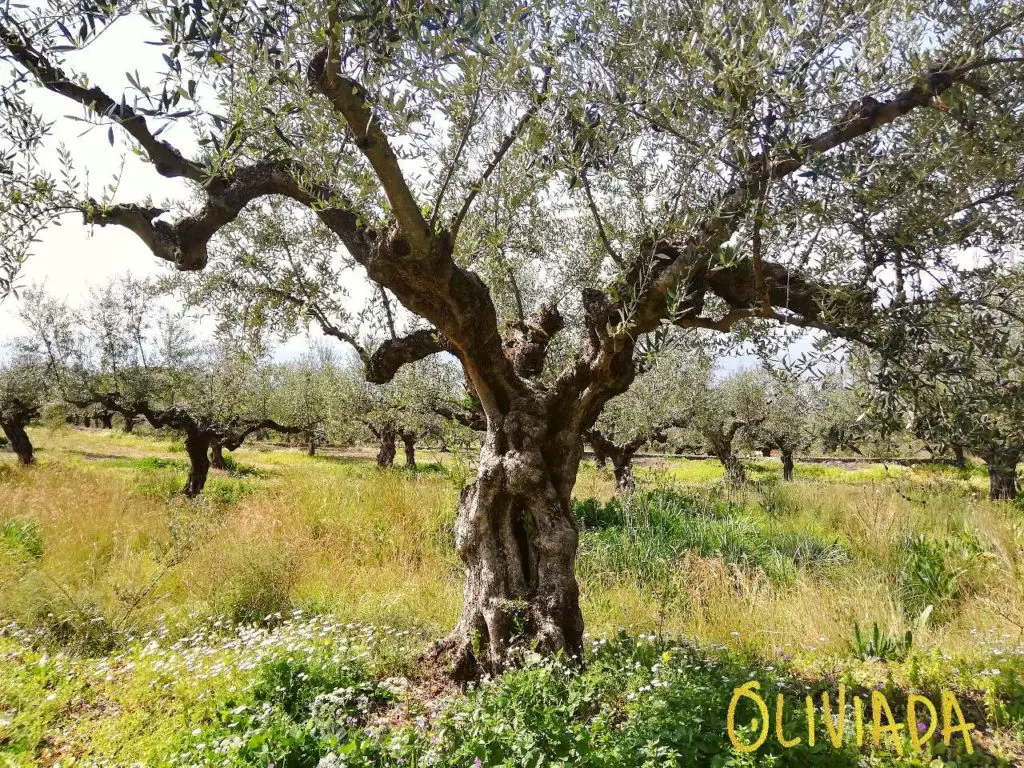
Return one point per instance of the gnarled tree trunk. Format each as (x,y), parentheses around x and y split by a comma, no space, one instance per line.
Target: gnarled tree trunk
(217,455)
(735,474)
(14,429)
(517,537)
(197,446)
(787,465)
(1002,475)
(621,457)
(386,436)
(409,441)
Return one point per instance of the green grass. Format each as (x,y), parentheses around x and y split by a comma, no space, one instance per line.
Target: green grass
(144,628)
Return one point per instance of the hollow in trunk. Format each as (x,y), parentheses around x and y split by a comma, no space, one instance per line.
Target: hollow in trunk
(517,537)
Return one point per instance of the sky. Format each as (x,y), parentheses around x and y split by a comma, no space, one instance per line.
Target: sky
(72,258)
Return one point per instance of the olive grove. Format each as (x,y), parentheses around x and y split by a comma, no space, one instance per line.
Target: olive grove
(535,188)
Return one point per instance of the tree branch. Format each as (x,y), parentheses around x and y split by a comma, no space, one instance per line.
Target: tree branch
(503,148)
(348,98)
(167,160)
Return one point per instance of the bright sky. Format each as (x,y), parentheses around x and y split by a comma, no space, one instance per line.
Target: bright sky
(73,258)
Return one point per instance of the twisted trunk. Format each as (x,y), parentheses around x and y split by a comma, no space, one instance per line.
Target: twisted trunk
(409,441)
(14,429)
(197,446)
(387,435)
(787,465)
(516,535)
(735,474)
(1002,474)
(217,455)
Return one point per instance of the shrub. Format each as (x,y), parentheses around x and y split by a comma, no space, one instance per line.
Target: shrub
(878,645)
(22,537)
(938,573)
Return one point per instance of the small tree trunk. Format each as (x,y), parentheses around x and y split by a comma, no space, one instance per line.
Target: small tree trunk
(311,448)
(734,472)
(197,445)
(129,424)
(622,466)
(1002,475)
(106,420)
(959,457)
(409,440)
(386,452)
(600,458)
(217,455)
(86,422)
(517,537)
(18,439)
(787,466)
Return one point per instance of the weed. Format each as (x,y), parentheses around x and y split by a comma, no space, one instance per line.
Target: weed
(881,645)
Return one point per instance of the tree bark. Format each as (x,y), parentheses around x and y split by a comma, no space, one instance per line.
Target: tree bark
(1002,476)
(86,422)
(106,420)
(787,466)
(217,455)
(735,474)
(197,446)
(622,467)
(409,441)
(959,457)
(18,439)
(517,537)
(311,448)
(386,452)
(129,424)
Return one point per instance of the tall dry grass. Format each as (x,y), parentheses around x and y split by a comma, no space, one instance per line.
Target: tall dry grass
(123,553)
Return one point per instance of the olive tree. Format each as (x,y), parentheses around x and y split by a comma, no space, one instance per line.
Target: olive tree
(952,373)
(147,364)
(23,393)
(791,419)
(538,187)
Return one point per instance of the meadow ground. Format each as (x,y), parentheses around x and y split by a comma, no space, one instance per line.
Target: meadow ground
(277,619)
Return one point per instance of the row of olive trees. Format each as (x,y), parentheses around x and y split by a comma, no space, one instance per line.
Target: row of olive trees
(123,353)
(682,402)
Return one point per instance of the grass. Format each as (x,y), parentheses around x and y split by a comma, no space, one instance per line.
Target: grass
(121,601)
